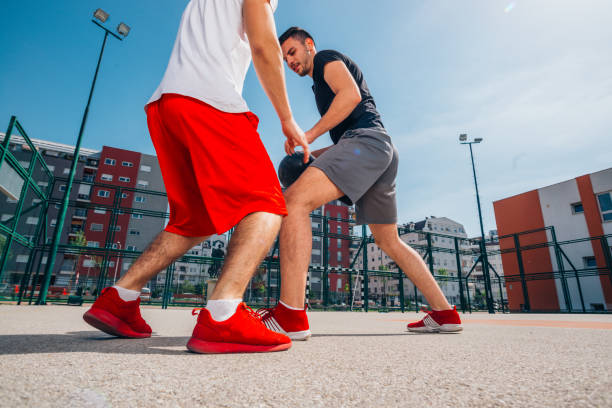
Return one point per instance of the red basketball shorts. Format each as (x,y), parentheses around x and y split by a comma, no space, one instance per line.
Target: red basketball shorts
(215,167)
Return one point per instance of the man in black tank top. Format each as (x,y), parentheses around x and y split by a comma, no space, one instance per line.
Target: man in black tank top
(361,164)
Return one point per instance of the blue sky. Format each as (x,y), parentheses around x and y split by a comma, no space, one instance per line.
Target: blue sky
(532,78)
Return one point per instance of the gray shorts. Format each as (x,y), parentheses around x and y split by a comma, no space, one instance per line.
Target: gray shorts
(363,164)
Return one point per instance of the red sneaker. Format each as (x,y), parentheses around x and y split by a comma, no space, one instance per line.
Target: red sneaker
(115,316)
(443,321)
(242,333)
(293,323)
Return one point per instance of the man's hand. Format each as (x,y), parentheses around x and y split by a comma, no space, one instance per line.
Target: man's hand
(295,137)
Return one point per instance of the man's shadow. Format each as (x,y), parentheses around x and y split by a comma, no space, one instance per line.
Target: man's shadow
(88,342)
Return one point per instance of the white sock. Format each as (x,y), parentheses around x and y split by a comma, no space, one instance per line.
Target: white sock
(222,309)
(127,295)
(290,307)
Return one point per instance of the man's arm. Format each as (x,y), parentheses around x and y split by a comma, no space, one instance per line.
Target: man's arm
(268,63)
(347,98)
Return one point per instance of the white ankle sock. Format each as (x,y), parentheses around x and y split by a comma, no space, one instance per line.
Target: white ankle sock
(290,307)
(222,309)
(127,295)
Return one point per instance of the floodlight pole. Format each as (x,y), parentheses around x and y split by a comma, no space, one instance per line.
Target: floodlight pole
(485,259)
(59,226)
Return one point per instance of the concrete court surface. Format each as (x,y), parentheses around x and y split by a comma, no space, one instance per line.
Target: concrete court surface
(50,358)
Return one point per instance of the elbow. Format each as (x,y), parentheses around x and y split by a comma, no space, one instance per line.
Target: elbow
(265,50)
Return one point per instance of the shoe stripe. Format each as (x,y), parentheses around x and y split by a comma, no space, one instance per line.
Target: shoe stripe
(273,325)
(430,322)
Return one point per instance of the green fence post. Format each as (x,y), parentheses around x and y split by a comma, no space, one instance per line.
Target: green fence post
(325,262)
(519,257)
(459,272)
(564,286)
(400,278)
(430,259)
(365,268)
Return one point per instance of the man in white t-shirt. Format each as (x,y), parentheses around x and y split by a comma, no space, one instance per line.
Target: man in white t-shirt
(216,171)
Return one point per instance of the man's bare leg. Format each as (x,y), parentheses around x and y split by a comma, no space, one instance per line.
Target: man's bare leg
(160,253)
(410,262)
(310,191)
(251,241)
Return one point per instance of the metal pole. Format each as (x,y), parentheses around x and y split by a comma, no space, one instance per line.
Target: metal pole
(365,268)
(564,286)
(519,257)
(460,279)
(325,262)
(60,221)
(485,260)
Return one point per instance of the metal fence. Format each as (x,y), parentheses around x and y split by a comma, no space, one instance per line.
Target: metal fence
(509,274)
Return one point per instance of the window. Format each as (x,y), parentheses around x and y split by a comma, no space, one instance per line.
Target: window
(22,258)
(66,170)
(50,167)
(127,164)
(93,244)
(124,195)
(145,168)
(103,193)
(137,216)
(339,229)
(605,205)
(6,217)
(134,232)
(339,243)
(132,248)
(114,246)
(124,179)
(589,261)
(577,208)
(110,162)
(62,188)
(143,183)
(32,220)
(339,256)
(89,263)
(111,264)
(106,177)
(117,228)
(96,227)
(140,199)
(53,222)
(100,211)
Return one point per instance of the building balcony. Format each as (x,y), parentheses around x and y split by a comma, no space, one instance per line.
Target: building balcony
(84,198)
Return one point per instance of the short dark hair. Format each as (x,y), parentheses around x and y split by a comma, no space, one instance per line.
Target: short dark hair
(295,32)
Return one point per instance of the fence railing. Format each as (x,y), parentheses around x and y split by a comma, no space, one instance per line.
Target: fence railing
(525,271)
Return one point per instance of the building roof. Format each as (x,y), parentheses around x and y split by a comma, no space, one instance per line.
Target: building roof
(47,145)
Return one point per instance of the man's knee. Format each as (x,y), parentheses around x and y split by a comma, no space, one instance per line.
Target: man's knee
(387,242)
(297,201)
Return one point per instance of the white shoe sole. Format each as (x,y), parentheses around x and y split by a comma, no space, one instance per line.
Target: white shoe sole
(445,328)
(299,336)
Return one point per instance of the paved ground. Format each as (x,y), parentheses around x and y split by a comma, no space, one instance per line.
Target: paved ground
(50,357)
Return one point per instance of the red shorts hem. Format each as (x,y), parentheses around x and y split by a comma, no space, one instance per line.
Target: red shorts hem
(231,221)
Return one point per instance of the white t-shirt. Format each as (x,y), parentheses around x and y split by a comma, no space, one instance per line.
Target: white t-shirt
(211,55)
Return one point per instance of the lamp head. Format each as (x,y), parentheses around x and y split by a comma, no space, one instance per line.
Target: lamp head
(101,15)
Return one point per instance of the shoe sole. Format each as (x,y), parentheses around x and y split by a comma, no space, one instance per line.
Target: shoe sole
(212,347)
(108,323)
(299,336)
(445,328)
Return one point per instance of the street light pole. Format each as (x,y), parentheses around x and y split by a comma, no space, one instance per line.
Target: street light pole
(485,259)
(123,30)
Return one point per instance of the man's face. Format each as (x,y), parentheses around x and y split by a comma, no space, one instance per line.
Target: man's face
(296,54)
